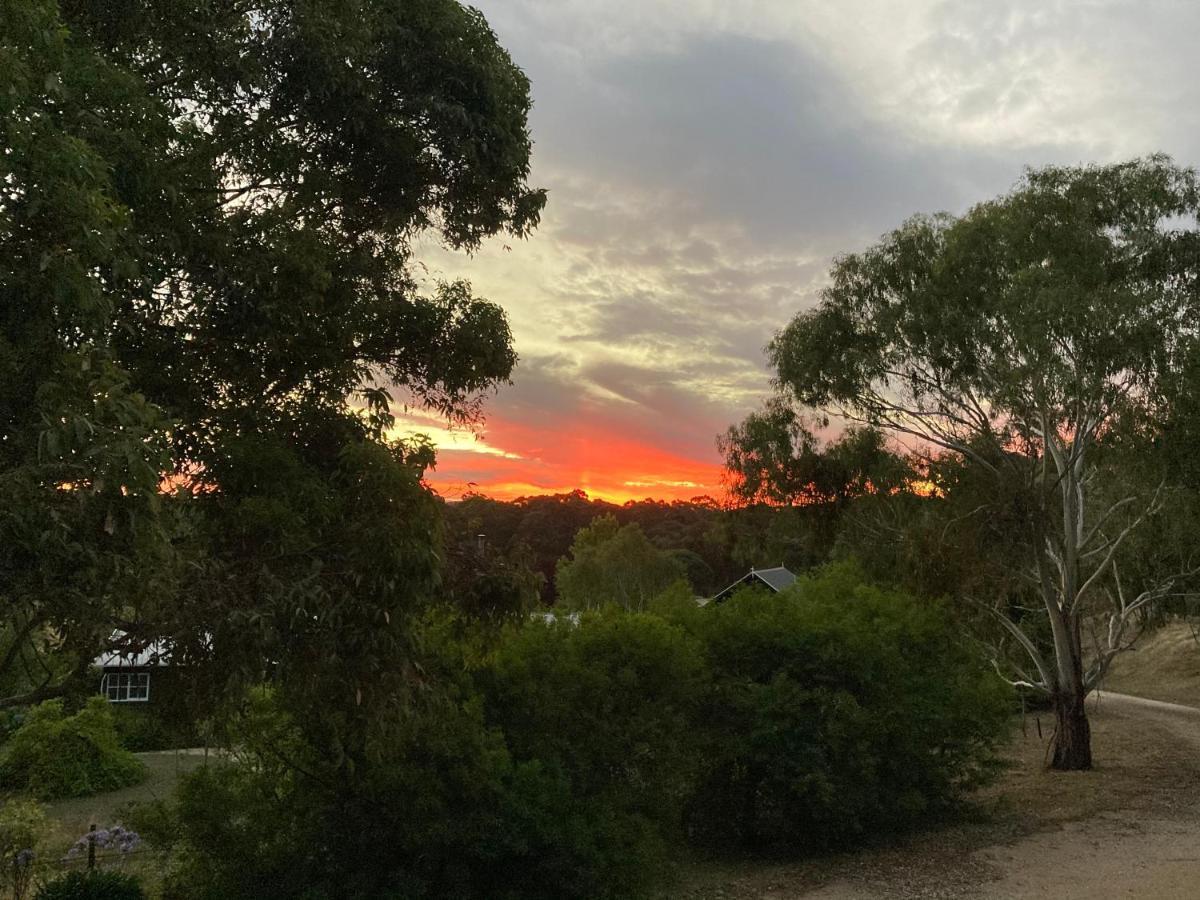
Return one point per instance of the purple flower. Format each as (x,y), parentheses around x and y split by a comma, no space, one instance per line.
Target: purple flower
(116,838)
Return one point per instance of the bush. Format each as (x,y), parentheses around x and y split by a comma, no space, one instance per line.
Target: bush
(559,772)
(603,711)
(426,818)
(141,729)
(22,826)
(54,755)
(97,885)
(838,710)
(569,760)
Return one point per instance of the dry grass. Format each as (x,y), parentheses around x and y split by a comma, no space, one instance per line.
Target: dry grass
(1142,766)
(1164,666)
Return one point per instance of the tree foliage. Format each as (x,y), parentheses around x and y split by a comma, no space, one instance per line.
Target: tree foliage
(614,563)
(775,457)
(208,291)
(1021,336)
(540,530)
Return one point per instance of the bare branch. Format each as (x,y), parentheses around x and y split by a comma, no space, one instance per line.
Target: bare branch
(1025,641)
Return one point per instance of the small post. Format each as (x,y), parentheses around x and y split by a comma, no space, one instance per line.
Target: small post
(92,847)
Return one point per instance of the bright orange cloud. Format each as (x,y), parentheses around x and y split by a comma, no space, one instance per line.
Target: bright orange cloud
(520,461)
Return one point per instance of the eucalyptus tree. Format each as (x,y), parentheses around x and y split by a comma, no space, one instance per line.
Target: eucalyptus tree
(614,563)
(207,214)
(1020,336)
(774,456)
(794,495)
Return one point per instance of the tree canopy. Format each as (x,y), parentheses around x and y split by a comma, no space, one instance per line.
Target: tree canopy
(207,221)
(1021,336)
(774,456)
(614,563)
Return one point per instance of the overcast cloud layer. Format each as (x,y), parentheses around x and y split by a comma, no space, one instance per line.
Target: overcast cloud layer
(707,160)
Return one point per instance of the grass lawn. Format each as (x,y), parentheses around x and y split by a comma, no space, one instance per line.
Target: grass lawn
(74,816)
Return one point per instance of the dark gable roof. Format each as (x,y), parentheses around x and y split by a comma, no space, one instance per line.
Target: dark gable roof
(776,579)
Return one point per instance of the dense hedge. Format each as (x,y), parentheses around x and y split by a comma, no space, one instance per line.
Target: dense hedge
(55,755)
(604,711)
(837,710)
(570,760)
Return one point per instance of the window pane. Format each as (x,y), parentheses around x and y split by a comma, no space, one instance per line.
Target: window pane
(123,687)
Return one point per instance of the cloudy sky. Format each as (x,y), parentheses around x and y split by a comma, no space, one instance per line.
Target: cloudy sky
(706,160)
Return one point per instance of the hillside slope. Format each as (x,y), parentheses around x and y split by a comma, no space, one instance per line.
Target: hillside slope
(1165,666)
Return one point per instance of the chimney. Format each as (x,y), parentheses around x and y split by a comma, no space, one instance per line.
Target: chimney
(480,542)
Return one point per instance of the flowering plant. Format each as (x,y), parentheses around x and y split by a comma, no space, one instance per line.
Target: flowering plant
(116,838)
(22,873)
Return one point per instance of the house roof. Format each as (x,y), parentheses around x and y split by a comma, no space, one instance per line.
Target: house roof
(153,655)
(776,578)
(156,653)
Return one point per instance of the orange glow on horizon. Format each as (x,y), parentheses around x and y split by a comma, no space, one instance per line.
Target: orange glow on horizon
(514,490)
(520,461)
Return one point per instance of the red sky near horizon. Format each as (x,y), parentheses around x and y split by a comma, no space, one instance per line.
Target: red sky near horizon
(513,460)
(704,171)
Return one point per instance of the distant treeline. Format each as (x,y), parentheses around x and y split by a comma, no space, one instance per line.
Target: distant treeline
(716,543)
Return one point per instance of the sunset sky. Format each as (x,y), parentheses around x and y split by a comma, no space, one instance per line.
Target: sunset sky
(706,160)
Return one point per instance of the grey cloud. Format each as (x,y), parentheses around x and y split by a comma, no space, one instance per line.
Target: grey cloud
(760,133)
(699,189)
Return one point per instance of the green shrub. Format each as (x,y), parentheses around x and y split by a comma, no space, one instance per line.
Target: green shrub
(569,760)
(602,711)
(559,773)
(838,710)
(141,728)
(22,829)
(54,755)
(97,885)
(426,818)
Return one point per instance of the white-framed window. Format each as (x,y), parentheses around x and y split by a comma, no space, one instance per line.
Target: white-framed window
(126,687)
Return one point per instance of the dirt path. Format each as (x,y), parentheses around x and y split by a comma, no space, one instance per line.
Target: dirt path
(1111,855)
(1130,829)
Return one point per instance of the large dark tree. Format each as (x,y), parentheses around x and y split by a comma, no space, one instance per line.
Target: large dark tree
(207,286)
(775,457)
(791,492)
(1022,337)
